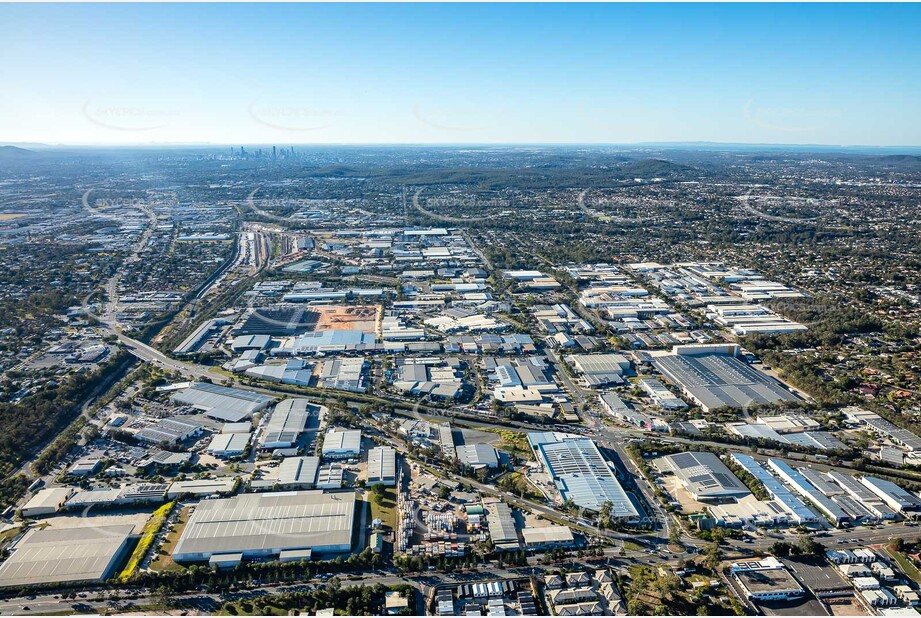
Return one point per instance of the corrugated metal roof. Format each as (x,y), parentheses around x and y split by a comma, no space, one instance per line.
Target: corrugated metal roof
(266,523)
(83,553)
(287,422)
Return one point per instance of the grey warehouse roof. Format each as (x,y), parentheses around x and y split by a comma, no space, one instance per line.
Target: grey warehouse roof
(501,524)
(718,380)
(85,553)
(228,404)
(298,471)
(705,476)
(265,524)
(287,422)
(892,494)
(581,473)
(478,455)
(600,363)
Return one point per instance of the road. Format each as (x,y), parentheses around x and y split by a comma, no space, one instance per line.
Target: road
(443,218)
(256,254)
(111,286)
(606,435)
(596,214)
(615,440)
(152,355)
(88,604)
(479,252)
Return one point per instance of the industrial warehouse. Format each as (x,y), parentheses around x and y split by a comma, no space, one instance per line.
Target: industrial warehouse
(705,477)
(342,444)
(580,473)
(600,369)
(795,496)
(719,380)
(766,580)
(297,473)
(287,423)
(268,525)
(82,554)
(382,466)
(219,402)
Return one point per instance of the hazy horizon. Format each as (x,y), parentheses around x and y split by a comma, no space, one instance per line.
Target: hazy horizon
(654,146)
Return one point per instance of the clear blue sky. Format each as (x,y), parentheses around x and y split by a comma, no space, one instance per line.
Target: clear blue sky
(436,73)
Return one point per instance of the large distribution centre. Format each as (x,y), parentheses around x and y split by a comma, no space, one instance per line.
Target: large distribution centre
(266,524)
(85,553)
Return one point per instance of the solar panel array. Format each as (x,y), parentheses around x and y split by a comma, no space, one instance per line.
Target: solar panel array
(706,477)
(279,321)
(719,380)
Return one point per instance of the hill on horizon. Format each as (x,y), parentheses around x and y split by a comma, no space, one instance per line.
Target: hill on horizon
(15,152)
(654,168)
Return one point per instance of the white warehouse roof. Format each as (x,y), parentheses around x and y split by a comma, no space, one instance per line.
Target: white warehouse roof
(264,524)
(223,444)
(298,471)
(382,465)
(85,553)
(342,441)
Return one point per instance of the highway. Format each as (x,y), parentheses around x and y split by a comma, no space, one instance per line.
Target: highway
(254,253)
(118,601)
(152,355)
(606,435)
(111,287)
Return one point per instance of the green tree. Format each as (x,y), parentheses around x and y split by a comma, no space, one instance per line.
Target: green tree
(809,546)
(781,549)
(674,534)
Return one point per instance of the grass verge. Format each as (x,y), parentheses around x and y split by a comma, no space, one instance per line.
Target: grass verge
(515,442)
(148,534)
(906,565)
(164,561)
(631,546)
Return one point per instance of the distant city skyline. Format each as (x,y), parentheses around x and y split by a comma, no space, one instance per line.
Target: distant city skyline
(822,74)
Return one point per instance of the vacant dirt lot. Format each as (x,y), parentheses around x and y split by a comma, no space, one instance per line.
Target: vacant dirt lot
(347,317)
